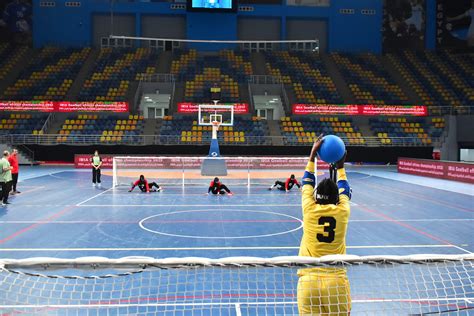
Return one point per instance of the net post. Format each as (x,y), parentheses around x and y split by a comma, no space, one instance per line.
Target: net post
(182,175)
(114,172)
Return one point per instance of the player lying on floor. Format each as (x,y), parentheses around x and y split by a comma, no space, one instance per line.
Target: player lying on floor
(287,185)
(326,210)
(216,187)
(145,186)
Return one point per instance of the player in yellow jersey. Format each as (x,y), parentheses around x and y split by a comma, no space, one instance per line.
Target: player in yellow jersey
(326,210)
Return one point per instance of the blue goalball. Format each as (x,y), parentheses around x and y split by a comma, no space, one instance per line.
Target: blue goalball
(332,149)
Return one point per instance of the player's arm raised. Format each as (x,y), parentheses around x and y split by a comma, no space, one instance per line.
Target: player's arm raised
(345,192)
(309,179)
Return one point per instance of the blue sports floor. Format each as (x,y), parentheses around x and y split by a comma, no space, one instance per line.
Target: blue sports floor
(60,214)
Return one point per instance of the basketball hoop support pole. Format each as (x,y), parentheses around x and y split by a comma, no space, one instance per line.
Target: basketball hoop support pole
(214,148)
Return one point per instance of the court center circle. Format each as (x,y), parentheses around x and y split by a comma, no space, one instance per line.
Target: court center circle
(142,225)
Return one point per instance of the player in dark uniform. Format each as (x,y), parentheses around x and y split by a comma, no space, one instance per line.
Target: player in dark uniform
(216,187)
(145,186)
(287,185)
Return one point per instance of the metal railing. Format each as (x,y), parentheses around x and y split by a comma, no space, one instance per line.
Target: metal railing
(47,124)
(450,110)
(164,77)
(140,140)
(264,79)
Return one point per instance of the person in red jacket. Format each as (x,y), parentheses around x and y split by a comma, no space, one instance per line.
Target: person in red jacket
(216,187)
(13,160)
(287,185)
(145,186)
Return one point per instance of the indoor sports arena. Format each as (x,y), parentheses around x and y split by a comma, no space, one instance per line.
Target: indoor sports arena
(237,157)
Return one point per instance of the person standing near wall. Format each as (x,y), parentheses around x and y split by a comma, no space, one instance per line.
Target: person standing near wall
(13,160)
(5,177)
(96,163)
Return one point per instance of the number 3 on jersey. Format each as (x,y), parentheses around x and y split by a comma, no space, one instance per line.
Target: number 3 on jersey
(329,224)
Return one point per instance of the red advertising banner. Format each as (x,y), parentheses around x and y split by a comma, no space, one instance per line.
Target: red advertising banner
(352,109)
(185,107)
(120,107)
(457,171)
(27,106)
(63,106)
(84,162)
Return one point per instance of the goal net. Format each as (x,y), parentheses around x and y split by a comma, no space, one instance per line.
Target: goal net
(188,170)
(375,285)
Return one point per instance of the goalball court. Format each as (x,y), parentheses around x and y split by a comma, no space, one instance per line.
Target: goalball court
(60,215)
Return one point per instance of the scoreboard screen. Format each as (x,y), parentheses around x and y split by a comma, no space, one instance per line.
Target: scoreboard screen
(212,5)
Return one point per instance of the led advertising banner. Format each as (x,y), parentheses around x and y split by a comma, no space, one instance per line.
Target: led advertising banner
(63,106)
(239,108)
(351,109)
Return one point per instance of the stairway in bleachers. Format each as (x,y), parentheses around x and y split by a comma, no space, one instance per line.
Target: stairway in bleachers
(338,79)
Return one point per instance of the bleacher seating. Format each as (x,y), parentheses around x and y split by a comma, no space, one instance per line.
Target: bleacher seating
(368,80)
(108,129)
(114,70)
(304,131)
(405,131)
(49,75)
(22,124)
(439,79)
(185,130)
(227,70)
(9,57)
(306,74)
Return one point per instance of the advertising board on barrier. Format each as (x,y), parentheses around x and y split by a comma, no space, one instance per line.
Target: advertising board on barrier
(358,109)
(457,171)
(82,161)
(186,107)
(63,106)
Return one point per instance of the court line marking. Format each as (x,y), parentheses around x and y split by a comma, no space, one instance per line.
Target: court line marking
(419,196)
(229,221)
(238,312)
(111,305)
(181,205)
(91,198)
(48,219)
(142,225)
(214,248)
(412,228)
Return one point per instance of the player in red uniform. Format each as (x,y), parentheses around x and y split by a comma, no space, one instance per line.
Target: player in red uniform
(216,187)
(145,186)
(287,185)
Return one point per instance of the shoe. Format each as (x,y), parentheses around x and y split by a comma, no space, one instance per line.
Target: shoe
(17,192)
(158,190)
(12,193)
(269,189)
(93,184)
(6,202)
(230,193)
(99,185)
(3,204)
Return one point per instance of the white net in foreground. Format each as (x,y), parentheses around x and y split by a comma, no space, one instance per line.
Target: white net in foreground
(388,285)
(191,171)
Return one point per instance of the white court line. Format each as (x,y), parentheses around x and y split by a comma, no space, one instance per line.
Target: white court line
(180,205)
(214,248)
(137,221)
(375,300)
(238,312)
(99,194)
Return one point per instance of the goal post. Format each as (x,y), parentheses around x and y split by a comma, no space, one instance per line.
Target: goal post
(180,170)
(379,285)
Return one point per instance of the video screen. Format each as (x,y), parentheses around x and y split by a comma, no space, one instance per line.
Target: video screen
(212,5)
